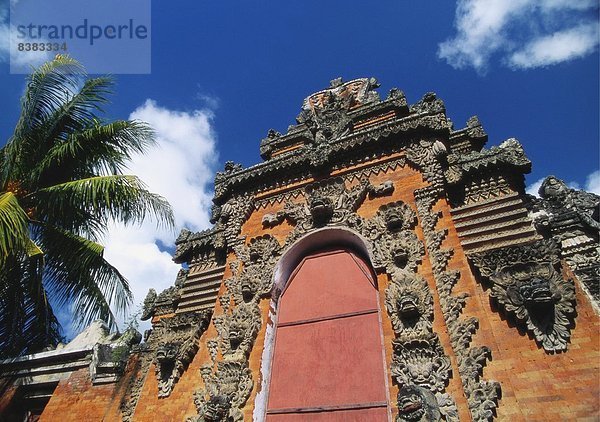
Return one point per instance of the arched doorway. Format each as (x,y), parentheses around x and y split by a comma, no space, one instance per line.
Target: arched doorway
(328,360)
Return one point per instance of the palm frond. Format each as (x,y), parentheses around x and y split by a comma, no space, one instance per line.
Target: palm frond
(81,109)
(77,113)
(100,149)
(60,186)
(27,320)
(14,234)
(122,198)
(77,274)
(48,88)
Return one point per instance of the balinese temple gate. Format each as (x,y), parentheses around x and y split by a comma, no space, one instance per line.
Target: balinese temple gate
(378,265)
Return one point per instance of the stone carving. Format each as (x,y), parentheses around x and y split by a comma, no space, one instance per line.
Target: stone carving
(526,284)
(166,302)
(395,246)
(266,145)
(428,155)
(109,359)
(488,173)
(418,362)
(474,128)
(328,202)
(483,399)
(420,366)
(136,382)
(176,341)
(430,103)
(228,380)
(460,329)
(349,177)
(330,120)
(230,168)
(225,391)
(410,306)
(207,245)
(171,346)
(571,217)
(383,189)
(398,216)
(238,330)
(421,362)
(256,281)
(483,396)
(560,198)
(325,136)
(326,113)
(149,303)
(417,404)
(229,219)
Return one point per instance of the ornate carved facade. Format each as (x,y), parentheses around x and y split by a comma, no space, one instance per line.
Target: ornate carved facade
(477,283)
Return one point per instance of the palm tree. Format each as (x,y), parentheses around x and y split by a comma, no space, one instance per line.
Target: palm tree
(61,182)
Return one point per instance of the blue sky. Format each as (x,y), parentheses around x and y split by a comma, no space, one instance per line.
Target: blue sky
(223,73)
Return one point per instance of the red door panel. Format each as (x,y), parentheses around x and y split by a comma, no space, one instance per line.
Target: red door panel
(359,415)
(328,360)
(326,285)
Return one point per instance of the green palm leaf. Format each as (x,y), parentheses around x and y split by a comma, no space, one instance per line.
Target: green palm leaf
(60,186)
(27,321)
(99,149)
(77,274)
(14,232)
(116,197)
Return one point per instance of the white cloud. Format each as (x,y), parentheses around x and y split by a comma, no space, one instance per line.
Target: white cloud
(21,61)
(534,187)
(592,183)
(180,168)
(558,47)
(523,33)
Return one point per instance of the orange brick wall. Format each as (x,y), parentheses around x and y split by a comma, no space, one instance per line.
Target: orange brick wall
(76,399)
(180,404)
(535,385)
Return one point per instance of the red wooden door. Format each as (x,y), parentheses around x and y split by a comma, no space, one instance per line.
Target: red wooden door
(328,362)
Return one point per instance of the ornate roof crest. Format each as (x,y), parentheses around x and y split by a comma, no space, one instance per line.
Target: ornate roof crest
(325,113)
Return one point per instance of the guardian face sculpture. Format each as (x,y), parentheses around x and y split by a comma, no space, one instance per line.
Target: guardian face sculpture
(417,404)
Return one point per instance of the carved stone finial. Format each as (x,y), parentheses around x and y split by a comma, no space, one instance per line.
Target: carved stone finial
(395,93)
(430,103)
(561,199)
(149,302)
(337,82)
(231,166)
(473,122)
